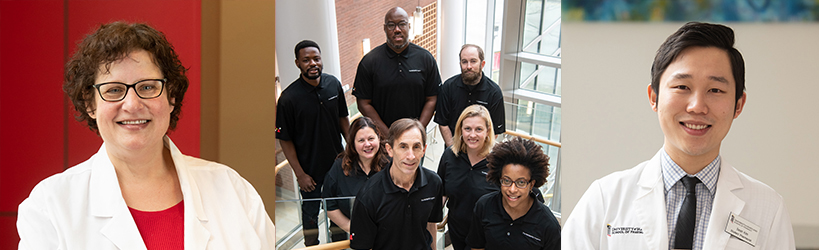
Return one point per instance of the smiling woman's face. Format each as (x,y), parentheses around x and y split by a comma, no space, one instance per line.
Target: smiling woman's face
(132,123)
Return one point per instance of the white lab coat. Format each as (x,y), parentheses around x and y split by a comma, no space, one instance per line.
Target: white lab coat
(634,199)
(83,208)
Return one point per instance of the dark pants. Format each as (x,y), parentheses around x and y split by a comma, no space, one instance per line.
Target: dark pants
(309,216)
(309,220)
(337,234)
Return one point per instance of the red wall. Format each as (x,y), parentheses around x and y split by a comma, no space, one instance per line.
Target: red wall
(38,133)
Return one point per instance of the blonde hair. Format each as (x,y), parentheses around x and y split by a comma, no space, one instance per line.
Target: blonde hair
(458,144)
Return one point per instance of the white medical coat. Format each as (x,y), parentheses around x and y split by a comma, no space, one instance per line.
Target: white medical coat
(626,210)
(83,208)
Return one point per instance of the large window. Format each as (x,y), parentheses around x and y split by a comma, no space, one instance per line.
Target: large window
(526,62)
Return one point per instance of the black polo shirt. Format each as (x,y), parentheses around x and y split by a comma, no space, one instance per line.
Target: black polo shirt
(492,228)
(464,184)
(309,117)
(336,184)
(386,216)
(397,84)
(455,96)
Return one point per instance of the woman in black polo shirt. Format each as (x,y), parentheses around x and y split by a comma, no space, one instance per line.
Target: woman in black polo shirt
(363,157)
(513,218)
(463,170)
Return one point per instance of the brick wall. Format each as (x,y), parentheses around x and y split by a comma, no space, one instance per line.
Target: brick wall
(359,19)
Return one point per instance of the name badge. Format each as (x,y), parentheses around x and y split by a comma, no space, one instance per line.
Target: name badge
(742,229)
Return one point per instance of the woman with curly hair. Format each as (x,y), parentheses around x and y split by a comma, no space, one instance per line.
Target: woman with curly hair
(512,217)
(138,191)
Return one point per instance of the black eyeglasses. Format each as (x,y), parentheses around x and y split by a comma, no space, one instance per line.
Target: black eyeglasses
(145,89)
(520,183)
(403,25)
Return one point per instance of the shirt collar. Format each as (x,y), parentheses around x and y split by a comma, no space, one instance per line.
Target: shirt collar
(358,171)
(390,187)
(480,86)
(465,157)
(672,172)
(531,215)
(391,53)
(320,85)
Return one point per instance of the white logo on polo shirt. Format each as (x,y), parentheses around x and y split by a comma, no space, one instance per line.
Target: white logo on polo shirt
(428,199)
(530,236)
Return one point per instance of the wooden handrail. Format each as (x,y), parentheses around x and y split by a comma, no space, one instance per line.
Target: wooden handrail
(532,137)
(280,166)
(329,246)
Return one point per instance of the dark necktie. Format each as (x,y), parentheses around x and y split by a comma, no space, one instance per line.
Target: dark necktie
(684,232)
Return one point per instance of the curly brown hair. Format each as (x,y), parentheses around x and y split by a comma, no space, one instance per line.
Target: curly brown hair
(350,155)
(521,152)
(110,43)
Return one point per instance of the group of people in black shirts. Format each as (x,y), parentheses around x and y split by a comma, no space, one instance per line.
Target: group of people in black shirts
(491,192)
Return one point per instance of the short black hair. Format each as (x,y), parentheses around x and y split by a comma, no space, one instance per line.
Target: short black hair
(697,34)
(306,44)
(521,152)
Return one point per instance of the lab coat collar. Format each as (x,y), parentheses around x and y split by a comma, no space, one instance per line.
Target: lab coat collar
(105,200)
(650,202)
(725,202)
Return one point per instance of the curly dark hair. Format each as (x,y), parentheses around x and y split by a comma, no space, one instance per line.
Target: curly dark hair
(521,152)
(350,155)
(110,43)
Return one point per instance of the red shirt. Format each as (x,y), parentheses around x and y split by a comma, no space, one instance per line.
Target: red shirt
(161,229)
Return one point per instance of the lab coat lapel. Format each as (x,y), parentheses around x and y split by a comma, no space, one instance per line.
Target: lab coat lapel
(196,234)
(725,202)
(650,203)
(105,202)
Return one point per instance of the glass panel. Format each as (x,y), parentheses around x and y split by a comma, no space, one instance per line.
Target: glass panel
(541,27)
(535,119)
(475,23)
(540,78)
(289,233)
(527,78)
(532,25)
(493,58)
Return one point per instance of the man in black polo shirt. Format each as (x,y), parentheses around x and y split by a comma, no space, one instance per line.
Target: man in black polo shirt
(397,79)
(398,208)
(310,116)
(470,87)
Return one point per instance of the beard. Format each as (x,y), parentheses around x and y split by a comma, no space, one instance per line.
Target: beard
(311,77)
(398,46)
(470,77)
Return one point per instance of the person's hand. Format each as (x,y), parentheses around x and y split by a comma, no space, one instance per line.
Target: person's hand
(306,183)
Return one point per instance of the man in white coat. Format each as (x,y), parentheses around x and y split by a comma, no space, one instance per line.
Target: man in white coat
(697,89)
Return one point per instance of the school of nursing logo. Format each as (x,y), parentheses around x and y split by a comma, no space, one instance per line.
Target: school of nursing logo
(622,230)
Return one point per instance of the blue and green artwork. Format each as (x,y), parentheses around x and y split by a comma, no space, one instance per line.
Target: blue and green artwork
(688,10)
